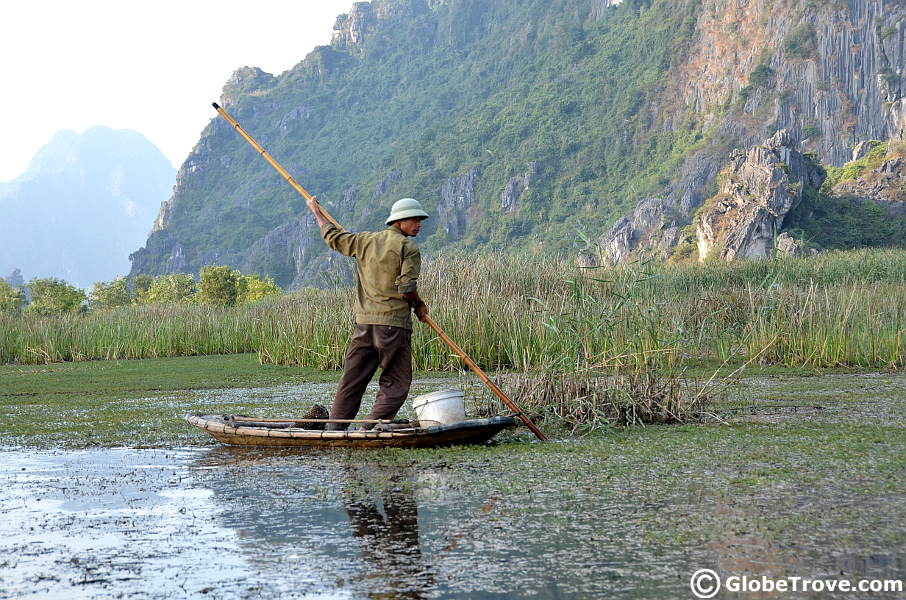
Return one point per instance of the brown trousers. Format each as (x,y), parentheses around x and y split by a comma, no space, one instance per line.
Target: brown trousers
(374,346)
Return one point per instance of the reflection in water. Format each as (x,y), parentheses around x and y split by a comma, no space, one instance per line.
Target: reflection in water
(272,524)
(389,541)
(349,527)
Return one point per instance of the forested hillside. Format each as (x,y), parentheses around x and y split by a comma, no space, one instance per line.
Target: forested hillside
(519,123)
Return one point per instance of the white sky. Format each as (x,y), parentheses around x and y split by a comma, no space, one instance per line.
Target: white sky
(153,66)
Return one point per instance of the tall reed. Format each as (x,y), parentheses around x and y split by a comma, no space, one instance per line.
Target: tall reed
(523,312)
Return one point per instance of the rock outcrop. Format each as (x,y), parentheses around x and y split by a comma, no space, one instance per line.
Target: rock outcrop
(831,74)
(516,186)
(651,228)
(786,245)
(756,193)
(387,183)
(885,185)
(457,197)
(352,28)
(296,247)
(599,7)
(245,81)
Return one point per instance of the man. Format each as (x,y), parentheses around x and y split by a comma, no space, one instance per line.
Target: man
(387,269)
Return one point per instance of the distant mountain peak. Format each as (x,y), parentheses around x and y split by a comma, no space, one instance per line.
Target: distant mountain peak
(85,201)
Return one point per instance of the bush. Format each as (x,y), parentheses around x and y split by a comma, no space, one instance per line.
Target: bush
(252,288)
(141,284)
(855,169)
(810,130)
(51,296)
(110,295)
(218,286)
(761,76)
(801,43)
(177,288)
(12,299)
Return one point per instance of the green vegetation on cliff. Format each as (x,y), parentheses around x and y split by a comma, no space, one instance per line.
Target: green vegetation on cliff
(430,95)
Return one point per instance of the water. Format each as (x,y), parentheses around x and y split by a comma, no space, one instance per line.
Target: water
(626,514)
(238,523)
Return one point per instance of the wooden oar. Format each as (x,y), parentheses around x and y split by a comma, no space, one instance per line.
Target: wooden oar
(503,397)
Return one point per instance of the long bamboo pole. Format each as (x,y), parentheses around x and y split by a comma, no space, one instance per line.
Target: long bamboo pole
(273,163)
(428,320)
(487,380)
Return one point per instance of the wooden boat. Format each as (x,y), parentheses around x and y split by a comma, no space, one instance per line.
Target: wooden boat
(253,431)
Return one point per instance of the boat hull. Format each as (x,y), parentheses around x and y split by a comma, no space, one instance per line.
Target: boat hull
(475,431)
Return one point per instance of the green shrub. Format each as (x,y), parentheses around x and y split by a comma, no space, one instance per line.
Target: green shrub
(252,288)
(810,130)
(110,295)
(51,296)
(855,169)
(140,286)
(762,76)
(177,288)
(12,299)
(801,42)
(218,286)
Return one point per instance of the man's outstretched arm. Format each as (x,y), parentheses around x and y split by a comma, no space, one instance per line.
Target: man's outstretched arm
(336,239)
(315,209)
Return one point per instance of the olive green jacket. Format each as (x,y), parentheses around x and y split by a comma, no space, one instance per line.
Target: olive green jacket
(387,266)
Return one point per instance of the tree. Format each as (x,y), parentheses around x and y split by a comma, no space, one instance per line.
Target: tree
(219,286)
(178,288)
(51,296)
(252,288)
(110,295)
(12,299)
(140,286)
(15,279)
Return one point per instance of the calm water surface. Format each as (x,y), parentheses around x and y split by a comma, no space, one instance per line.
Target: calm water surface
(589,520)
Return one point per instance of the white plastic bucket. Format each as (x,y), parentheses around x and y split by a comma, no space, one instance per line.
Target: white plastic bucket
(444,407)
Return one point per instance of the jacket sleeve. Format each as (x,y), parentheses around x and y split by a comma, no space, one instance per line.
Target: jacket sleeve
(341,241)
(410,269)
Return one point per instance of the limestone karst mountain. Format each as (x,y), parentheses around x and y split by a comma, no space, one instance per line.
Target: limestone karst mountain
(82,206)
(527,124)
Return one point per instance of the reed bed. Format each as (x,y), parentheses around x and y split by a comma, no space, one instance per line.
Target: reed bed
(585,401)
(152,331)
(840,309)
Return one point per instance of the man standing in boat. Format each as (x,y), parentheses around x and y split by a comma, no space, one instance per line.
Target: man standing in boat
(388,264)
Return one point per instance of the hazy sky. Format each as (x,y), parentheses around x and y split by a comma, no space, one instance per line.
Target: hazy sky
(154,67)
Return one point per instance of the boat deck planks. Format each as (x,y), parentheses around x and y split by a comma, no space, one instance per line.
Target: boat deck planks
(474,431)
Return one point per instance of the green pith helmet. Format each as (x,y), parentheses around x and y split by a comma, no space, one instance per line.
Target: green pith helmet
(405,209)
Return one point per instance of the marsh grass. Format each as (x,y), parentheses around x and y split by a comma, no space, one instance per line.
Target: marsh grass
(586,401)
(152,331)
(840,309)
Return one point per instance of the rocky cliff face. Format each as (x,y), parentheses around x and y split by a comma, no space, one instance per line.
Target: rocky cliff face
(756,193)
(516,186)
(457,197)
(885,185)
(513,122)
(832,74)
